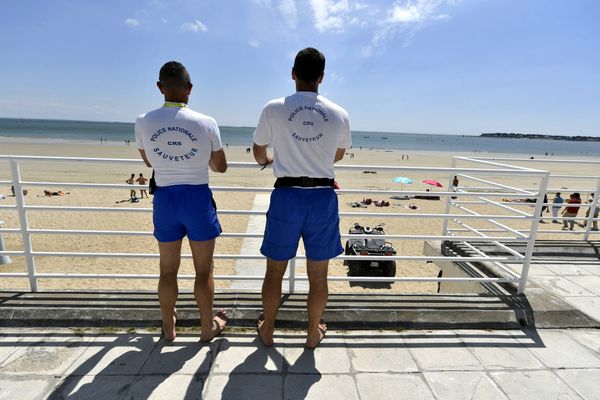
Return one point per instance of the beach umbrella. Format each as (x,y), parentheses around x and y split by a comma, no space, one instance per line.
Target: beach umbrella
(432,183)
(403,180)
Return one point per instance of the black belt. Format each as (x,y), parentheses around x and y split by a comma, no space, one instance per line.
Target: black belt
(303,181)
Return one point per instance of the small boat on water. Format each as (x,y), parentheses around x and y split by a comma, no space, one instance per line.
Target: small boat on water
(384,137)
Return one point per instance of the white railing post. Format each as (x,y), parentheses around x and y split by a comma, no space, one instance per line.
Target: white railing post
(535,221)
(27,246)
(594,206)
(292,276)
(3,259)
(448,199)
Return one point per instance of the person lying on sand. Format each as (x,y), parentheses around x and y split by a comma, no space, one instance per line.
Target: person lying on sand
(519,200)
(48,193)
(357,204)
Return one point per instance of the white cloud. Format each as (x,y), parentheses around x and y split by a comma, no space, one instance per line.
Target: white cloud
(132,22)
(377,22)
(408,13)
(254,43)
(195,26)
(289,12)
(404,19)
(337,15)
(329,15)
(286,11)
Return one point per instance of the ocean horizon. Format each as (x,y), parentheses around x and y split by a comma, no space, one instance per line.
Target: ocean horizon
(94,131)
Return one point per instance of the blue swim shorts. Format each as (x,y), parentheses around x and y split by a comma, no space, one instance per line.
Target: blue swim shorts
(182,210)
(308,213)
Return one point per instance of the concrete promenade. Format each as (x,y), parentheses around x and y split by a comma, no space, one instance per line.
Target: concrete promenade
(413,364)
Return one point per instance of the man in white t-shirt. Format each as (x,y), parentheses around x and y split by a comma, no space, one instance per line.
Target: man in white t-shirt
(309,134)
(180,145)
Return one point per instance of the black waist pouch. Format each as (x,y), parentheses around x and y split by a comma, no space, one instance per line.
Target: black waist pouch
(152,184)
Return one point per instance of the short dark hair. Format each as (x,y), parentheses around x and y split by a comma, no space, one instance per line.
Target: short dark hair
(174,75)
(309,64)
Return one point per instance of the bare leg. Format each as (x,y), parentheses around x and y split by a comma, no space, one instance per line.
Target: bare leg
(170,257)
(317,299)
(204,289)
(271,298)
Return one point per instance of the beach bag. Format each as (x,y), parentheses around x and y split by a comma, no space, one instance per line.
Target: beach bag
(152,184)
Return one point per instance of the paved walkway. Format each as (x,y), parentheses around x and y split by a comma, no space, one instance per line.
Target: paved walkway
(577,283)
(412,364)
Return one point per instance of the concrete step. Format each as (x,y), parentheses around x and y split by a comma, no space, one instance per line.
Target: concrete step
(552,248)
(344,311)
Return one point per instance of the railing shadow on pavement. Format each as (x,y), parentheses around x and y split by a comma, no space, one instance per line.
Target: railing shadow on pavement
(136,365)
(137,372)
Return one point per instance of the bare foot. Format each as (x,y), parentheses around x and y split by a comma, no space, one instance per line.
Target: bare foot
(219,322)
(168,330)
(312,341)
(265,337)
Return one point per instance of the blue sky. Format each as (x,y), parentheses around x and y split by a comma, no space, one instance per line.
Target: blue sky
(431,66)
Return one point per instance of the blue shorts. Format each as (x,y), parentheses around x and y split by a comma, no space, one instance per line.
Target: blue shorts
(308,213)
(182,210)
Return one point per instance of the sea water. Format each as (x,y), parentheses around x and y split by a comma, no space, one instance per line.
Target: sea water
(242,136)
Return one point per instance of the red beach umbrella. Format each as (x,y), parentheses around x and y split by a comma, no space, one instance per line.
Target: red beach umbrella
(432,183)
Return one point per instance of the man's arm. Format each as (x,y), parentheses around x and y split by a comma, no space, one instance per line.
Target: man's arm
(339,154)
(260,154)
(218,162)
(143,154)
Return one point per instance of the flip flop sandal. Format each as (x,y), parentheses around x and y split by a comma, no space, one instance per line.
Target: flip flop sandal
(223,315)
(321,322)
(261,317)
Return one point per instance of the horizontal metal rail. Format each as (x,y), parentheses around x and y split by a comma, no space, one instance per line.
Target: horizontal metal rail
(259,256)
(535,160)
(122,186)
(255,277)
(252,212)
(241,235)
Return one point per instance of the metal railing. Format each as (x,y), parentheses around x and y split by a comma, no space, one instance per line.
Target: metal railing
(554,185)
(455,227)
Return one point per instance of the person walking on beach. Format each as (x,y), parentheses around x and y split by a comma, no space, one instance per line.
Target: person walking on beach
(142,181)
(557,202)
(587,214)
(455,183)
(181,144)
(130,181)
(544,208)
(571,211)
(309,133)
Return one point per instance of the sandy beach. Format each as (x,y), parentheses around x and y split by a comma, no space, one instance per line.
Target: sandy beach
(235,177)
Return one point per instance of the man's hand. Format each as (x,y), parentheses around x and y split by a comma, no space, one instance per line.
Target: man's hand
(261,156)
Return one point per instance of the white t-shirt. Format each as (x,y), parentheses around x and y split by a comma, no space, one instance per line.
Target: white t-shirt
(305,129)
(178,143)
